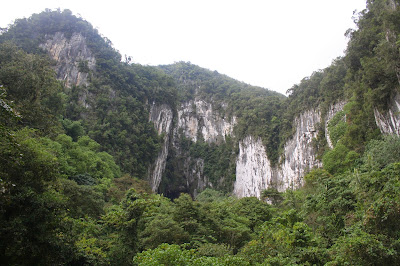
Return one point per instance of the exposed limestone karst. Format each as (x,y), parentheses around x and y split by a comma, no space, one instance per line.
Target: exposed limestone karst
(161,116)
(299,154)
(389,121)
(194,119)
(254,172)
(198,117)
(73,58)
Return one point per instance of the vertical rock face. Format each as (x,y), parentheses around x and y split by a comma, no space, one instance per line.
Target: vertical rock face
(299,155)
(194,172)
(162,117)
(253,169)
(389,122)
(69,53)
(197,118)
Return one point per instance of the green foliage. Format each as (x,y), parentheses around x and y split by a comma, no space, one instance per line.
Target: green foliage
(82,201)
(117,94)
(210,195)
(361,248)
(337,127)
(30,207)
(213,250)
(81,161)
(122,221)
(273,195)
(257,109)
(381,190)
(62,200)
(253,209)
(83,66)
(175,255)
(85,241)
(372,52)
(122,184)
(74,129)
(31,84)
(284,240)
(339,159)
(164,255)
(218,161)
(331,199)
(28,33)
(380,153)
(163,229)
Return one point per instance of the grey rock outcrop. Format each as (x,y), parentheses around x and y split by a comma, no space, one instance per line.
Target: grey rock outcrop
(389,122)
(194,172)
(197,117)
(254,172)
(194,119)
(161,116)
(68,54)
(299,154)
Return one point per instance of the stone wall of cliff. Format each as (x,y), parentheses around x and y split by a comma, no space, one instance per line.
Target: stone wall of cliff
(73,58)
(389,121)
(254,172)
(196,119)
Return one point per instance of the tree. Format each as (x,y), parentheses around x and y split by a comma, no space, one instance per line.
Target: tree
(32,86)
(30,207)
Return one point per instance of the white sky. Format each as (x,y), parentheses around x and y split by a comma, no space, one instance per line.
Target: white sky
(268,43)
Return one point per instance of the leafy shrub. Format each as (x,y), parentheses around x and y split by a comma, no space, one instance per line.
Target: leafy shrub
(380,153)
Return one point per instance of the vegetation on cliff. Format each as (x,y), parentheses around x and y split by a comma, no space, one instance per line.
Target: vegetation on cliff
(72,187)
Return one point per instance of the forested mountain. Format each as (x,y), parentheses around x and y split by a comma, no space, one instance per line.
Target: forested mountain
(107,162)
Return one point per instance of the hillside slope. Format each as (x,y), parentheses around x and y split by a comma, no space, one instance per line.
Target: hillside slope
(199,115)
(86,139)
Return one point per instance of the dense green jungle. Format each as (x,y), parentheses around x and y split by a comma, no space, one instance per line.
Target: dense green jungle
(74,157)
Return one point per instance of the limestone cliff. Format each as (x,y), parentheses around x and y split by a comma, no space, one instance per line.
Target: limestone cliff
(73,58)
(299,154)
(194,119)
(197,118)
(254,172)
(194,171)
(389,121)
(161,116)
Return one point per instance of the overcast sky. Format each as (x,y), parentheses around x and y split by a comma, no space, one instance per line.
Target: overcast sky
(268,43)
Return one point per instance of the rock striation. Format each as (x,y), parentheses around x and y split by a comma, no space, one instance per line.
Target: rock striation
(254,172)
(299,153)
(73,58)
(389,122)
(197,118)
(161,116)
